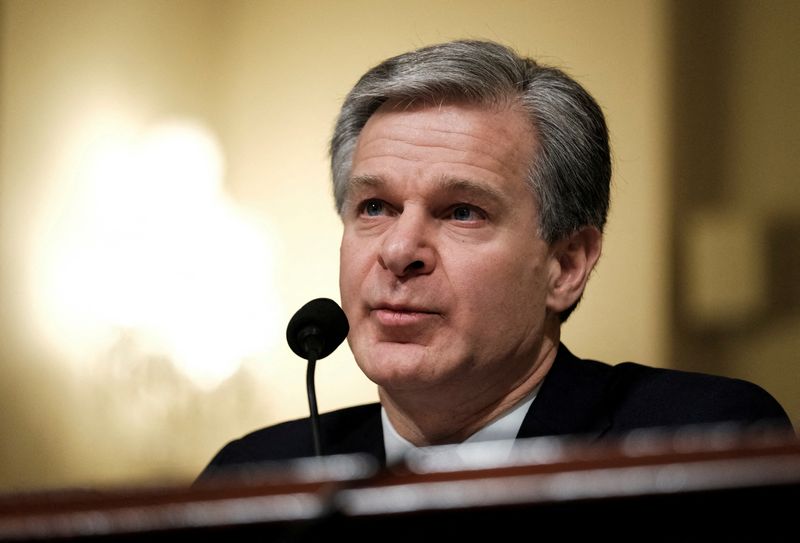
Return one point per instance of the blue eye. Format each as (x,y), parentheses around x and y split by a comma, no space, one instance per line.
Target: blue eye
(463,213)
(373,208)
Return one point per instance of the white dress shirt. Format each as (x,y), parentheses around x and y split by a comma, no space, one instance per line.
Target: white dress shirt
(503,430)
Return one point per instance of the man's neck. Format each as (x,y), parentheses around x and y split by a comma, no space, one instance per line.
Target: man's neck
(442,417)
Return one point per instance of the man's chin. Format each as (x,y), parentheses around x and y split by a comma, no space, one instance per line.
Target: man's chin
(397,365)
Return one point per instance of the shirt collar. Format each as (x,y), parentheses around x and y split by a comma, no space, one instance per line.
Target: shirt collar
(502,429)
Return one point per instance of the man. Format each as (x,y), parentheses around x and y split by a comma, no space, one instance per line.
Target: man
(473,186)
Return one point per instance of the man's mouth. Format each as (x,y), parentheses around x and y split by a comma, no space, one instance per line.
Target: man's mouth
(392,315)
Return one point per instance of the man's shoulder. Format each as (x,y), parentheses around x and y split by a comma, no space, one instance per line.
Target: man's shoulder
(332,420)
(340,431)
(292,438)
(635,395)
(667,383)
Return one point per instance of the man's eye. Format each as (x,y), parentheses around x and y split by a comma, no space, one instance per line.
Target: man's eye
(465,213)
(373,208)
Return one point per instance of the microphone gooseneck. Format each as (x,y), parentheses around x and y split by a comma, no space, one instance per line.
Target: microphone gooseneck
(314,332)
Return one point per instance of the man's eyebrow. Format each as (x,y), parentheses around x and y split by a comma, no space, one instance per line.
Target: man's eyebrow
(473,189)
(361,182)
(479,191)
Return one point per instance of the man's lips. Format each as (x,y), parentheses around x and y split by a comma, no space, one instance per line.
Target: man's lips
(401,315)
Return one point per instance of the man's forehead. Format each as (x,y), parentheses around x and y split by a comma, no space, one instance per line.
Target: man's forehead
(466,141)
(507,120)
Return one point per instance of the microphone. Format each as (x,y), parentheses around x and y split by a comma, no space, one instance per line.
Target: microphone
(314,332)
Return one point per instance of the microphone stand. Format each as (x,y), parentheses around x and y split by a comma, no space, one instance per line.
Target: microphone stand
(312,404)
(311,339)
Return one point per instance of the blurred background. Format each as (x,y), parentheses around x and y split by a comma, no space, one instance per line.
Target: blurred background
(165,207)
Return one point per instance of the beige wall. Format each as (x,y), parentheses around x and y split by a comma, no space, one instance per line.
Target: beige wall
(735,128)
(85,400)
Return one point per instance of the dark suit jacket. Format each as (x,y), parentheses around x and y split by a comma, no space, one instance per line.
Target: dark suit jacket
(577,398)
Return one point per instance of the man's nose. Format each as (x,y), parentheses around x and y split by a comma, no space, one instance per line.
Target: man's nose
(406,249)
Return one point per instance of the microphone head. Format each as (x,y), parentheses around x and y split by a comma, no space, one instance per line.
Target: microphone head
(317,329)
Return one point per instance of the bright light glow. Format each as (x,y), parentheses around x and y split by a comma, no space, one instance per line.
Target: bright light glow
(149,243)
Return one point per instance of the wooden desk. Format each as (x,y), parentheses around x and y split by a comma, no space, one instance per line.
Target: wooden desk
(699,484)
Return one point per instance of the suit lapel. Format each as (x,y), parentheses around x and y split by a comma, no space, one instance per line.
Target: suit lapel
(570,401)
(364,433)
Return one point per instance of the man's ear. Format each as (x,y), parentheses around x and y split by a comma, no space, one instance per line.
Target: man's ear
(572,261)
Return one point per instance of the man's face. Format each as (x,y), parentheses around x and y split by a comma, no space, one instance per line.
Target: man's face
(443,277)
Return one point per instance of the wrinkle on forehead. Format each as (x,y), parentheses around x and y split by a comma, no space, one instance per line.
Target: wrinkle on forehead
(455,109)
(503,142)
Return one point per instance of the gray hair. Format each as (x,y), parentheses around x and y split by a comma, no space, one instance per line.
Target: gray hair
(571,172)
